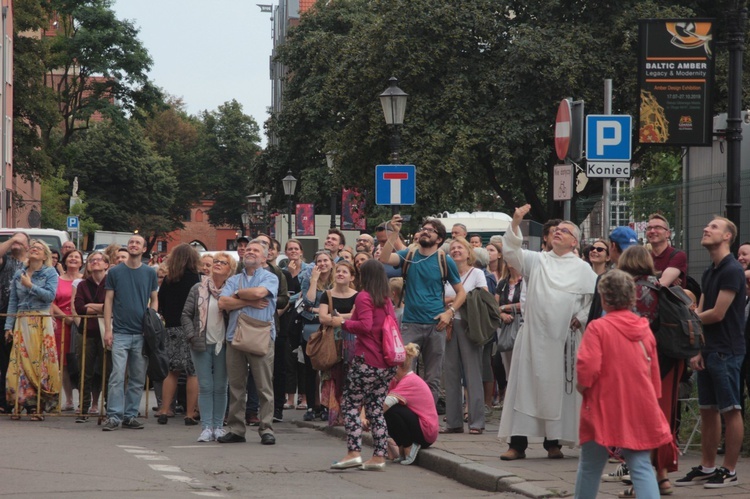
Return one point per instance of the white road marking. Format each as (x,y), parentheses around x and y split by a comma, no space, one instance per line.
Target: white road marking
(204,446)
(209,494)
(150,457)
(166,468)
(140,451)
(181,478)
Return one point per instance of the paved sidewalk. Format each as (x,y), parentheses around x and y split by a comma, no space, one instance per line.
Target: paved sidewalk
(474,460)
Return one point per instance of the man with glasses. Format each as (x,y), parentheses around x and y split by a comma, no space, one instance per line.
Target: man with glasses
(253,293)
(130,288)
(425,316)
(541,399)
(365,243)
(670,263)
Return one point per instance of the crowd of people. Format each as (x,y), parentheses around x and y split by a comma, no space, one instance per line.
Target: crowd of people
(568,334)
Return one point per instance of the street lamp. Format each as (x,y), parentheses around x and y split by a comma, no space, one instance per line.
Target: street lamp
(245,222)
(290,185)
(329,159)
(257,205)
(393,100)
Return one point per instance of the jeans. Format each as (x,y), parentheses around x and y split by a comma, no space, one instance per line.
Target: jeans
(591,464)
(719,383)
(211,370)
(127,356)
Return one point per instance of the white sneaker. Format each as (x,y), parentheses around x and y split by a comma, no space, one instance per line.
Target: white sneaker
(207,435)
(219,432)
(620,474)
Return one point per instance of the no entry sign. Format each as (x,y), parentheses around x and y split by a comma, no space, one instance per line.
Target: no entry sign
(563,128)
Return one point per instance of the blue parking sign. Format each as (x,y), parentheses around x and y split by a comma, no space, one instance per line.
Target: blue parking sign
(608,137)
(395,185)
(72,223)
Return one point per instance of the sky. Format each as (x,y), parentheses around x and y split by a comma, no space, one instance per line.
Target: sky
(207,52)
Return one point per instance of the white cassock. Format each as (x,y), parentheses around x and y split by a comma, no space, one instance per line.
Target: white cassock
(541,399)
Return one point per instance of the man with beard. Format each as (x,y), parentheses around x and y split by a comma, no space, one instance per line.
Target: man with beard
(541,400)
(130,288)
(425,316)
(365,243)
(253,293)
(12,255)
(670,263)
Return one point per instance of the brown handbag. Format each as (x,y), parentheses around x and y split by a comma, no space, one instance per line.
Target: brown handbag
(322,347)
(252,335)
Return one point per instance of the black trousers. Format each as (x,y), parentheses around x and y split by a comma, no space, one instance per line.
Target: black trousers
(279,374)
(403,426)
(520,443)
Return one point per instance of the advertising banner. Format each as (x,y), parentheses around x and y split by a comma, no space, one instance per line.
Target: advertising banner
(305,220)
(675,75)
(353,210)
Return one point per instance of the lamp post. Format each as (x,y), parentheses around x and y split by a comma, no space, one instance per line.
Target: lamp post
(257,205)
(290,185)
(393,100)
(245,222)
(329,159)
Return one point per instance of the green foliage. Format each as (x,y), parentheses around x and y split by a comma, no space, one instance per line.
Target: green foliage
(657,192)
(55,196)
(230,144)
(128,185)
(484,79)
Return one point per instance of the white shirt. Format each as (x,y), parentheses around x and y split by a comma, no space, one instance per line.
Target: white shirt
(473,278)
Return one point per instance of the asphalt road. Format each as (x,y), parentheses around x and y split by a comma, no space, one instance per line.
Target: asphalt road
(59,458)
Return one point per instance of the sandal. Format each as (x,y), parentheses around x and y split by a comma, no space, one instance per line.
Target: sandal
(665,491)
(15,417)
(302,407)
(466,417)
(460,429)
(476,431)
(37,417)
(629,492)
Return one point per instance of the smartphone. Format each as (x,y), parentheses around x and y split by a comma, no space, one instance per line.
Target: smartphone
(406,218)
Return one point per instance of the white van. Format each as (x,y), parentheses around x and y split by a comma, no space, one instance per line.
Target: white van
(53,238)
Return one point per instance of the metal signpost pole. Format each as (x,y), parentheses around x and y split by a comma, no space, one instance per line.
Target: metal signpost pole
(606,184)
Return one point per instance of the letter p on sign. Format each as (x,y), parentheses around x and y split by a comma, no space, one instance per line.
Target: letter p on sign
(608,137)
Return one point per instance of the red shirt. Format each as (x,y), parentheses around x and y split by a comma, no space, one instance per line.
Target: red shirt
(671,257)
(621,408)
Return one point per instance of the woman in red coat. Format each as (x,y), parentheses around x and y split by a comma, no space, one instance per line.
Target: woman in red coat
(617,354)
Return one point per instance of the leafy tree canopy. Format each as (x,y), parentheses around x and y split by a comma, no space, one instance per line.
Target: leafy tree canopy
(484,79)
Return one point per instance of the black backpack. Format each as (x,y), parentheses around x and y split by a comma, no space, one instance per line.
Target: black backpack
(679,333)
(155,346)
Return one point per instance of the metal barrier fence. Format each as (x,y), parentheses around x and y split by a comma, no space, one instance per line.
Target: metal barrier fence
(83,337)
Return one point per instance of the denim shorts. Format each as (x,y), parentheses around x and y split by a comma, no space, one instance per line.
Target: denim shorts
(719,382)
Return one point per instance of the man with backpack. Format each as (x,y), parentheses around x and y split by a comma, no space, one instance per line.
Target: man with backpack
(670,263)
(425,270)
(721,309)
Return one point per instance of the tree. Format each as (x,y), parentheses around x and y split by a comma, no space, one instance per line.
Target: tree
(176,135)
(230,146)
(128,185)
(56,206)
(484,79)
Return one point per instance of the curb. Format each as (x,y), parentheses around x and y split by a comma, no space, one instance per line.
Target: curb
(470,473)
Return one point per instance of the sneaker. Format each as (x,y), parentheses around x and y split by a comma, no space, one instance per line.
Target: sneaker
(111,425)
(207,435)
(132,424)
(82,419)
(696,476)
(620,474)
(323,414)
(309,415)
(722,478)
(218,433)
(278,416)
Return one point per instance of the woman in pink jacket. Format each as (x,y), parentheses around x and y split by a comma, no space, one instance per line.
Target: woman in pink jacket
(618,375)
(369,375)
(410,410)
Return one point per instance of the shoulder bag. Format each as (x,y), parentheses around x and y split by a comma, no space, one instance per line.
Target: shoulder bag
(252,335)
(322,347)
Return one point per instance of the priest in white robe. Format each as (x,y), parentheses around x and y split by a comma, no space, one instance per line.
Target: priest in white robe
(541,400)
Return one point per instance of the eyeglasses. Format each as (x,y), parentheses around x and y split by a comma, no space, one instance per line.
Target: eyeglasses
(429,230)
(598,249)
(38,248)
(655,227)
(221,262)
(564,231)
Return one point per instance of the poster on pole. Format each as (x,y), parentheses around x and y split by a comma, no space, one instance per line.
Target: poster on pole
(305,219)
(353,210)
(675,76)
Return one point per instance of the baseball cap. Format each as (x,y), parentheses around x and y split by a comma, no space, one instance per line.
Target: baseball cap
(625,237)
(243,239)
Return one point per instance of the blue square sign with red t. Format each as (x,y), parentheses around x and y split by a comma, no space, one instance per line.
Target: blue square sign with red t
(395,185)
